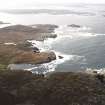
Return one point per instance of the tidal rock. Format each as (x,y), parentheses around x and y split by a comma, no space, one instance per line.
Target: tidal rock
(74,26)
(60,57)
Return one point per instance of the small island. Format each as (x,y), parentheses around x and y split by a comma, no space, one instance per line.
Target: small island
(74,26)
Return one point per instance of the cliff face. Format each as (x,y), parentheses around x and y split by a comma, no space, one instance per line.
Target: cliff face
(23,87)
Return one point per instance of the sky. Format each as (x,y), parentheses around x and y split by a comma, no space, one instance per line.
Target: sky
(28,3)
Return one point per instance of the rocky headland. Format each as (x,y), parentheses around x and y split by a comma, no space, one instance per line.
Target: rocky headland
(15,49)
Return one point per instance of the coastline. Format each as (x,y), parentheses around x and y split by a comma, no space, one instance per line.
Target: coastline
(41,43)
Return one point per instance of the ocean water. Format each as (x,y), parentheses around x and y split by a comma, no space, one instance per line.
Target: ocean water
(81,48)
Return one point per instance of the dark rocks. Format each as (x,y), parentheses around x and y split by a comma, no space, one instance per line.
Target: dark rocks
(51,56)
(74,26)
(35,50)
(60,57)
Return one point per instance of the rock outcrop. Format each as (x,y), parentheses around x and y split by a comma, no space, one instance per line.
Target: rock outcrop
(23,53)
(60,57)
(33,58)
(74,26)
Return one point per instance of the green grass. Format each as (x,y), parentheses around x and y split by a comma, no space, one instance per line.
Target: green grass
(3,67)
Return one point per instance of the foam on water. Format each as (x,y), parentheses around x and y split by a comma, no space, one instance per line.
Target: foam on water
(46,46)
(63,33)
(9,44)
(73,32)
(98,71)
(50,67)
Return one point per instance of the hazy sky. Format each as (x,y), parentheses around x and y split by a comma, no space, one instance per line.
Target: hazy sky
(27,3)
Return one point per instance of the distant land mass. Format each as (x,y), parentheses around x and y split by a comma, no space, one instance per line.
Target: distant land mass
(48,11)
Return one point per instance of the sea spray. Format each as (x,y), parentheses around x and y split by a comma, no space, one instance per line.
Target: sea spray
(95,71)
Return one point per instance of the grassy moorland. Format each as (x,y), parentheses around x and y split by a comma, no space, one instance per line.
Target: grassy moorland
(25,88)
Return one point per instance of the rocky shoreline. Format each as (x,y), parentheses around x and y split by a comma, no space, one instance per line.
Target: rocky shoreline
(15,49)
